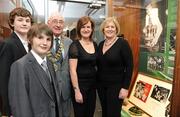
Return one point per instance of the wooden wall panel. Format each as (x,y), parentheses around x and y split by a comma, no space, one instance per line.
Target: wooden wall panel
(129,19)
(6,6)
(175,102)
(110,9)
(5,30)
(4,19)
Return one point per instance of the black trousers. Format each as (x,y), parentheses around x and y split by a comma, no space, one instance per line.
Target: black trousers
(4,104)
(87,108)
(110,103)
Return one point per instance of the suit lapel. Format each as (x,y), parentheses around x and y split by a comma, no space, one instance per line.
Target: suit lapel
(65,47)
(53,77)
(41,75)
(18,43)
(65,42)
(51,70)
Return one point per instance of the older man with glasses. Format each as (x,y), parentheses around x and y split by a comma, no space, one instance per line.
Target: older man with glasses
(58,55)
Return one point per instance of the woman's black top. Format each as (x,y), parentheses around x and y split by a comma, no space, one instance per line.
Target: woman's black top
(115,66)
(86,66)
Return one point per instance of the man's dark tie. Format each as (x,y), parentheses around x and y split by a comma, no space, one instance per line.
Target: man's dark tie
(57,45)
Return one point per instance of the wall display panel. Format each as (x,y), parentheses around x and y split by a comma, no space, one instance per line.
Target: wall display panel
(154,19)
(157,45)
(151,95)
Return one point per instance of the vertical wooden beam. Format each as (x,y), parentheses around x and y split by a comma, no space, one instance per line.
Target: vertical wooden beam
(110,8)
(175,101)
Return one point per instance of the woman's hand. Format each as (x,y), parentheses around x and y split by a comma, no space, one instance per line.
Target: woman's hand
(78,96)
(123,93)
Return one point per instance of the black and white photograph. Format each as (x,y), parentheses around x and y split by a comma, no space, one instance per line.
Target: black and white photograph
(160,94)
(172,41)
(155,63)
(153,28)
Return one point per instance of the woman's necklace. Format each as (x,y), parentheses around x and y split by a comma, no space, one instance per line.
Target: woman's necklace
(108,43)
(85,42)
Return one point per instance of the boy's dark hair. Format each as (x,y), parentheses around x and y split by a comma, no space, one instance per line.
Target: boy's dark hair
(38,29)
(19,11)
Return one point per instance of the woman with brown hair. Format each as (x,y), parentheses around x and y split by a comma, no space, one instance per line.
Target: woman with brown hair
(82,61)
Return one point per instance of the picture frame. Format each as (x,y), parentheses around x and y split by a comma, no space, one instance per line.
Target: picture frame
(157,60)
(151,95)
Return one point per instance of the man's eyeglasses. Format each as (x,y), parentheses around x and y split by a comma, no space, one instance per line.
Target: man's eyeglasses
(55,21)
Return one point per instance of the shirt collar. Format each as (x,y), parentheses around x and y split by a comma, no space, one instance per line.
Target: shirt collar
(38,58)
(60,38)
(22,40)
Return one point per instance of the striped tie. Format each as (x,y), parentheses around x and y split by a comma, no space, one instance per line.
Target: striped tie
(57,45)
(45,68)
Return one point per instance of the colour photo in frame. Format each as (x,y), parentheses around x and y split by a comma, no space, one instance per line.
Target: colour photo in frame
(142,90)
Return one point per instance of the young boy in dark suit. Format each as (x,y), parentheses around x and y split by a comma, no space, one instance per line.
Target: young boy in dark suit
(33,88)
(15,47)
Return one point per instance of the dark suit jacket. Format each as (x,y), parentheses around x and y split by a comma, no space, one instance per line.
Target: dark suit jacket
(63,71)
(11,50)
(29,89)
(1,46)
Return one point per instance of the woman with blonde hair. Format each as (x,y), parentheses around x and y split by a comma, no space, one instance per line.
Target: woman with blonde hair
(115,67)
